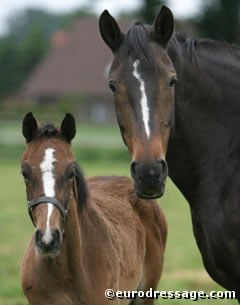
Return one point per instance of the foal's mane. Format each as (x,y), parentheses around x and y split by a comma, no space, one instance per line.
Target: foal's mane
(80,190)
(81,187)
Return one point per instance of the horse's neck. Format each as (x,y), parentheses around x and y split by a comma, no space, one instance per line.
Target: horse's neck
(205,137)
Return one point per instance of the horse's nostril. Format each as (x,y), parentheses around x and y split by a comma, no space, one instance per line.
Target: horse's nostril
(133,168)
(164,168)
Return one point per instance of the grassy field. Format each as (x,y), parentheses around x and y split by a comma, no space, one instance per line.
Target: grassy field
(183,269)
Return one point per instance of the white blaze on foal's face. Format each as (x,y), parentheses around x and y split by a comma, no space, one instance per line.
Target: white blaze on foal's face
(143,100)
(47,170)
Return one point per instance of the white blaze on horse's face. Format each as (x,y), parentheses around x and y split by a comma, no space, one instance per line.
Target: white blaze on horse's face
(47,168)
(143,100)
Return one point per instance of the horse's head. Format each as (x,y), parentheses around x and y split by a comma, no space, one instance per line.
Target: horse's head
(142,79)
(48,169)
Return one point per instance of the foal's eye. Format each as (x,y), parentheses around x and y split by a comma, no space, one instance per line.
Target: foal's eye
(113,87)
(71,175)
(172,81)
(25,174)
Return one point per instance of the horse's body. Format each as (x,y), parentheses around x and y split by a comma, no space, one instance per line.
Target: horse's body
(112,239)
(200,124)
(204,151)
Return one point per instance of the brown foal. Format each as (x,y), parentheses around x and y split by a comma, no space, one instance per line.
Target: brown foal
(91,235)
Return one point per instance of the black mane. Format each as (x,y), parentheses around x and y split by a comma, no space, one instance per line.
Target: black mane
(194,48)
(80,189)
(139,35)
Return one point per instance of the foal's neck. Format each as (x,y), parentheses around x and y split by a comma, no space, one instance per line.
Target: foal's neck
(71,252)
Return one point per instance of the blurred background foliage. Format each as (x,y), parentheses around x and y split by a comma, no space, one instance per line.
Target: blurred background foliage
(29,34)
(219,19)
(26,42)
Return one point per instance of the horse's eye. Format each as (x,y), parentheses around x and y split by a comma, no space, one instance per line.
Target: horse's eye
(172,81)
(113,87)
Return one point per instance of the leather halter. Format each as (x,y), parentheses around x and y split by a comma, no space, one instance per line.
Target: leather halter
(44,199)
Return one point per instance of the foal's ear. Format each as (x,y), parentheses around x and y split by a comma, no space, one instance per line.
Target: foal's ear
(68,127)
(163,26)
(110,31)
(29,127)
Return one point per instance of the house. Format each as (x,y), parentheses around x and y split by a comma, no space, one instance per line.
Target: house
(75,70)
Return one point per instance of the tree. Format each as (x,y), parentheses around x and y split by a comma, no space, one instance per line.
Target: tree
(149,9)
(220,20)
(27,42)
(10,75)
(32,50)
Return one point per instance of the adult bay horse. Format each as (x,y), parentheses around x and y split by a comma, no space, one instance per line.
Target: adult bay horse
(90,235)
(177,99)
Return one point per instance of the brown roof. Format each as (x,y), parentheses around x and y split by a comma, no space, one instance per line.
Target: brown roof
(77,65)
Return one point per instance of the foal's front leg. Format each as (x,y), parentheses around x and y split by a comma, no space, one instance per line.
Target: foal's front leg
(142,302)
(57,298)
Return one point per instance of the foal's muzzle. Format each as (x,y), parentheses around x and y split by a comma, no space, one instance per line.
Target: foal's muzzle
(149,178)
(47,242)
(48,247)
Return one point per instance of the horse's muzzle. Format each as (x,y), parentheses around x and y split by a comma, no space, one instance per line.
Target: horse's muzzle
(48,246)
(149,178)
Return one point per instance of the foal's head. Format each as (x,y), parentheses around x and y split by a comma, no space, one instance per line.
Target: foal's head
(51,177)
(142,79)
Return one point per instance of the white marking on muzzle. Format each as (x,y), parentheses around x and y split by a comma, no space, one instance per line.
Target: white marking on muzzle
(47,167)
(143,100)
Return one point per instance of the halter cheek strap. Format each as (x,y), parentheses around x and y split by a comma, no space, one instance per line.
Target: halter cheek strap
(44,199)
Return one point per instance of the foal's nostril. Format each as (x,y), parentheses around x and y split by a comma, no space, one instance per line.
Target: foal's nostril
(37,235)
(38,238)
(56,239)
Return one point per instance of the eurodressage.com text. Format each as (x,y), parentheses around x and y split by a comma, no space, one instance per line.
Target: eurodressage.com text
(153,294)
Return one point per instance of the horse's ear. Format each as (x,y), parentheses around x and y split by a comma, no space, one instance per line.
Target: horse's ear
(68,127)
(29,127)
(163,26)
(110,31)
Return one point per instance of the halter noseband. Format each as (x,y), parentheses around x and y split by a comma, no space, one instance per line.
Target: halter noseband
(44,199)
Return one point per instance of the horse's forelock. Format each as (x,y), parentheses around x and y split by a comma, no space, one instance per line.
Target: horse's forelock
(136,44)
